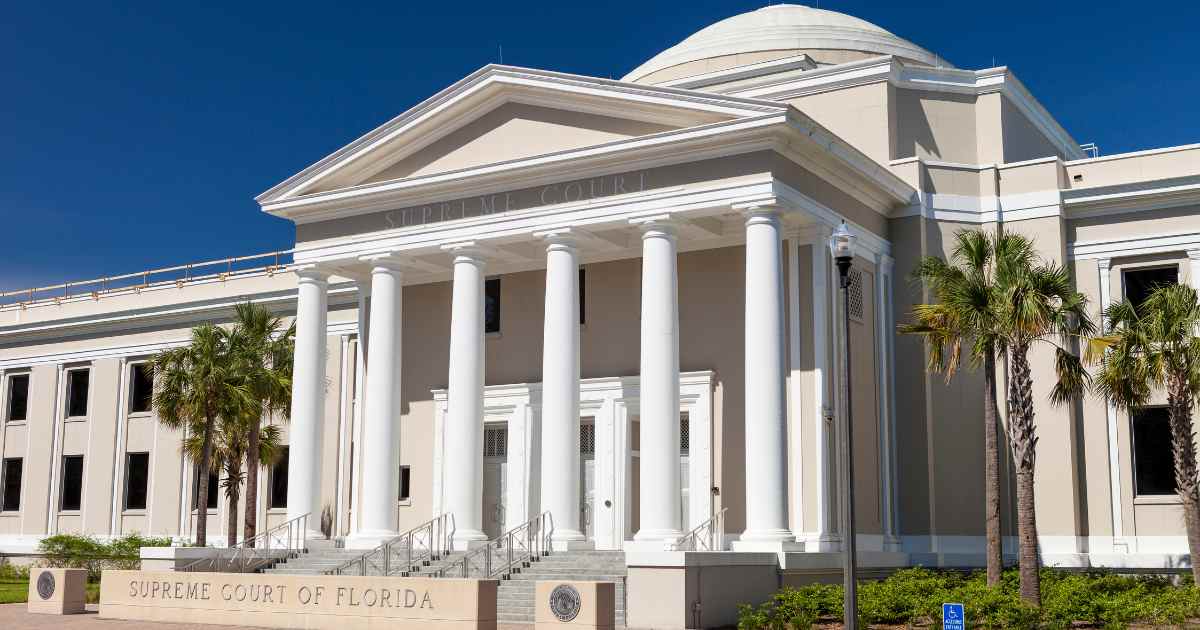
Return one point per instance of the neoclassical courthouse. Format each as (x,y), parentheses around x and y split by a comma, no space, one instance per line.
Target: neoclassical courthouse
(613,300)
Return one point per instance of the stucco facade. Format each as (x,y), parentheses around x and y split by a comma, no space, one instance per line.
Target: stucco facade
(700,147)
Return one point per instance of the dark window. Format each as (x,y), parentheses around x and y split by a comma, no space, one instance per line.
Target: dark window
(137,478)
(582,297)
(72,483)
(10,477)
(214,481)
(18,397)
(405,482)
(77,393)
(491,305)
(279,481)
(141,387)
(1153,460)
(1140,283)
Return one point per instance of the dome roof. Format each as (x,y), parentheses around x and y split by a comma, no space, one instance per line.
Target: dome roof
(784,27)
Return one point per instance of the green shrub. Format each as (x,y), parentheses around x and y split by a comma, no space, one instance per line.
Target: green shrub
(87,552)
(914,597)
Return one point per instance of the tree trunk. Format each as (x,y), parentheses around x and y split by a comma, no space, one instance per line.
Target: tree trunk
(1184,451)
(202,490)
(991,457)
(231,493)
(1023,441)
(252,465)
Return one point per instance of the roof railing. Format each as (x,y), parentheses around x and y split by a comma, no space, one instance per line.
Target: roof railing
(179,275)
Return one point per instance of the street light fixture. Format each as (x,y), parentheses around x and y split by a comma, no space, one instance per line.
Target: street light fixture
(841,245)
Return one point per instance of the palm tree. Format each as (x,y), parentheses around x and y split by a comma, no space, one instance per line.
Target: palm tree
(966,290)
(1154,347)
(1038,305)
(229,446)
(192,386)
(264,350)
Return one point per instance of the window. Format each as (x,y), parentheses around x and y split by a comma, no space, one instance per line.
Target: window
(137,478)
(582,296)
(1153,460)
(10,478)
(491,306)
(72,483)
(141,387)
(1140,283)
(279,481)
(214,481)
(77,393)
(405,483)
(18,398)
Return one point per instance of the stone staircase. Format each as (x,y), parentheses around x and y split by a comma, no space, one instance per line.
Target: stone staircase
(515,605)
(322,558)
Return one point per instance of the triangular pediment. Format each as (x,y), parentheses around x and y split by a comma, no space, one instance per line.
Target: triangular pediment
(500,115)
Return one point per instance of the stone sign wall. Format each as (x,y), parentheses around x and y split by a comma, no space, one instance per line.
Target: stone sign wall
(307,601)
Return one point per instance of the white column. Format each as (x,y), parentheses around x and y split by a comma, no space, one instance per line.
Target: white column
(308,399)
(766,397)
(1104,265)
(659,387)
(360,397)
(887,397)
(822,538)
(560,391)
(464,418)
(380,444)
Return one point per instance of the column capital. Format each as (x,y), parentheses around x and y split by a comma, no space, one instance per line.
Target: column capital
(885,263)
(758,206)
(312,273)
(1193,254)
(656,226)
(388,261)
(1104,263)
(466,252)
(558,238)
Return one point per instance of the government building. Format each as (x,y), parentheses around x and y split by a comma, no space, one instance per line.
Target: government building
(614,301)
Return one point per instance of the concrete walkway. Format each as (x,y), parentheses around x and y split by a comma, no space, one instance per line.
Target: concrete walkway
(14,616)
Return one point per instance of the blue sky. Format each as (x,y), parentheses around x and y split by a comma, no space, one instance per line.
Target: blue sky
(137,136)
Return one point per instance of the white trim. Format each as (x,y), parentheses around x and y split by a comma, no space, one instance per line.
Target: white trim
(924,78)
(801,62)
(1133,154)
(795,389)
(1104,266)
(1133,246)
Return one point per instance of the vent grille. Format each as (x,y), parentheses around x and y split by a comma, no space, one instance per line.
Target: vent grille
(685,434)
(587,439)
(856,294)
(495,441)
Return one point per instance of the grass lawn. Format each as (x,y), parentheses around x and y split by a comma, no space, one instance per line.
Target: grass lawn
(17,591)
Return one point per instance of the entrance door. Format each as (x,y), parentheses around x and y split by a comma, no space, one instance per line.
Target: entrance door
(587,477)
(495,464)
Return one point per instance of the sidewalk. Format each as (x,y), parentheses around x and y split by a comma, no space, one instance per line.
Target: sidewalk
(14,616)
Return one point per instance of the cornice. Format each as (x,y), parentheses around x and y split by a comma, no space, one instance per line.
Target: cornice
(1132,197)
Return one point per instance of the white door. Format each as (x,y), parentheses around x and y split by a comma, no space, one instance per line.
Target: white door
(495,464)
(587,477)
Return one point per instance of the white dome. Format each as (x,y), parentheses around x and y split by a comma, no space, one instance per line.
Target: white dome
(784,27)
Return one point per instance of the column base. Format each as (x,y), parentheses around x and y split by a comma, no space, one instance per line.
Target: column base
(370,539)
(654,540)
(465,540)
(570,541)
(767,540)
(821,543)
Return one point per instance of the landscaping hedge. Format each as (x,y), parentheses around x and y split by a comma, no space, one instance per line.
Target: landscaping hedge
(915,596)
(86,552)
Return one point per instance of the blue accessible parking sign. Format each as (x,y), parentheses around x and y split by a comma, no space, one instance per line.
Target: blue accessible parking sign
(953,617)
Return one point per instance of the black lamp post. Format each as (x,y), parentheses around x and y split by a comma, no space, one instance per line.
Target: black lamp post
(841,244)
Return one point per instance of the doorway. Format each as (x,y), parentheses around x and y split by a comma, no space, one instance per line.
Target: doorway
(495,469)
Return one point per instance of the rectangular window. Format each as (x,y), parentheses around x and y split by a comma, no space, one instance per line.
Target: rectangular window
(214,482)
(491,305)
(137,479)
(77,393)
(405,483)
(1153,460)
(72,483)
(18,398)
(582,297)
(1140,283)
(279,481)
(141,387)
(10,478)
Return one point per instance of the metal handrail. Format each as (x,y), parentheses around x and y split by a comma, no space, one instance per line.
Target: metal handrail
(403,554)
(177,275)
(286,540)
(707,536)
(507,553)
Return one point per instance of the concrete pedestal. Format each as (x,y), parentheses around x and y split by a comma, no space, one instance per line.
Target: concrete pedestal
(57,591)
